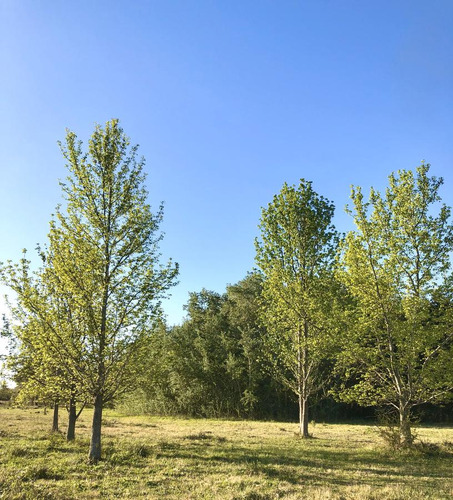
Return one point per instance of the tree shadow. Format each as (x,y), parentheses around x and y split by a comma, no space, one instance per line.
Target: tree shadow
(320,467)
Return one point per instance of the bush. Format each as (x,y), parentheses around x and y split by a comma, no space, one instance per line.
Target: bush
(5,392)
(389,430)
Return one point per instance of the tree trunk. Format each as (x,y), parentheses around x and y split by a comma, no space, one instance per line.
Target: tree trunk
(303,380)
(55,418)
(406,437)
(72,417)
(95,446)
(303,417)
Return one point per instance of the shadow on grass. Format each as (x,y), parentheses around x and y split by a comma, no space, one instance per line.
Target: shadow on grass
(320,467)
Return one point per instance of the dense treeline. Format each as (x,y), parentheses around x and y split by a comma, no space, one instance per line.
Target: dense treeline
(189,368)
(326,327)
(213,365)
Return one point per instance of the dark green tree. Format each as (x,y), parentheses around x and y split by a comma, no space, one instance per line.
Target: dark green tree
(211,365)
(242,309)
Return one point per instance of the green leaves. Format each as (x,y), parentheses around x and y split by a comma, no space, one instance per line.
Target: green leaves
(96,297)
(296,254)
(394,265)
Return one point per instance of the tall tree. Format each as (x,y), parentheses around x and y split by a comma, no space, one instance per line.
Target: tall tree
(398,347)
(296,254)
(102,267)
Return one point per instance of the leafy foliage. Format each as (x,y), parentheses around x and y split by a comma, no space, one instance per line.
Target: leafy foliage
(296,256)
(97,294)
(212,364)
(397,350)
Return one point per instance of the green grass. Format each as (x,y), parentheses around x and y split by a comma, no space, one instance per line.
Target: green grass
(148,457)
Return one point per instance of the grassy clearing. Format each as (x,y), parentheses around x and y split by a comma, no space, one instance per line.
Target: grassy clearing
(147,457)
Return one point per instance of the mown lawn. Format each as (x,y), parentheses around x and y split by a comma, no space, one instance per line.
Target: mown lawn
(149,457)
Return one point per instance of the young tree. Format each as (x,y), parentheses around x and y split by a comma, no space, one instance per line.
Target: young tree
(398,347)
(101,267)
(37,379)
(37,361)
(296,256)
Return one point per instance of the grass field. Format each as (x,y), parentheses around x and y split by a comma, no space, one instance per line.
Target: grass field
(148,457)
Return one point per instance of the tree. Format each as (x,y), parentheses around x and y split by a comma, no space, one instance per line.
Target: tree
(398,348)
(296,254)
(36,375)
(101,269)
(37,357)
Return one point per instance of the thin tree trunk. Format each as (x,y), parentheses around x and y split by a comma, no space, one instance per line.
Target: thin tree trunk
(303,417)
(303,380)
(55,418)
(95,446)
(72,417)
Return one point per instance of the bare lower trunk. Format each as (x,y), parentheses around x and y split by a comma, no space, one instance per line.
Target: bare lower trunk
(72,417)
(55,418)
(303,380)
(303,417)
(95,446)
(406,437)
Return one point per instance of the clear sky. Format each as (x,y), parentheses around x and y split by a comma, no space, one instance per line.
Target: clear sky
(227,100)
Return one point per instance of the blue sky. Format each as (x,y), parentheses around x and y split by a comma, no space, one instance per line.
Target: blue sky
(228,100)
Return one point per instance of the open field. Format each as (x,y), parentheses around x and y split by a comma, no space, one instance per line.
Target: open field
(150,457)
